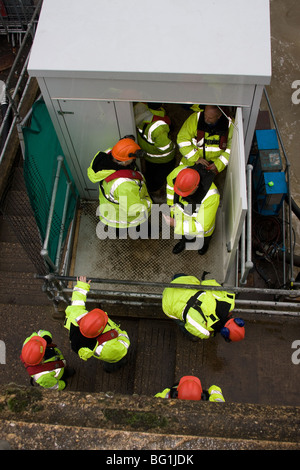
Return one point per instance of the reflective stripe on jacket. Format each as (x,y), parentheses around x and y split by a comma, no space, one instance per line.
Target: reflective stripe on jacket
(153,138)
(214,394)
(192,149)
(174,302)
(197,223)
(50,379)
(123,202)
(110,351)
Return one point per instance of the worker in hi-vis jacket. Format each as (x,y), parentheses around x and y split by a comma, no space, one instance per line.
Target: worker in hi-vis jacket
(44,362)
(205,137)
(93,333)
(193,199)
(190,388)
(201,313)
(124,200)
(153,129)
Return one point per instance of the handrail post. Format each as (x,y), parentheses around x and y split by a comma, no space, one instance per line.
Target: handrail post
(44,251)
(249,263)
(62,227)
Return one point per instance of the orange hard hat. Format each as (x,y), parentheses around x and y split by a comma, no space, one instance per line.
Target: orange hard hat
(33,351)
(234,329)
(125,149)
(186,182)
(93,323)
(189,388)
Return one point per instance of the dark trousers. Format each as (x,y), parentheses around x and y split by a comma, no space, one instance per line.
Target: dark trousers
(113,366)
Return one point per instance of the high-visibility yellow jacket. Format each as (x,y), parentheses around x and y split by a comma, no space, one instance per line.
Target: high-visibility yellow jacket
(112,350)
(123,202)
(153,137)
(214,393)
(194,144)
(51,379)
(198,221)
(201,311)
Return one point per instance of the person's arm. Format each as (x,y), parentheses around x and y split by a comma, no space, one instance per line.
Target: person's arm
(78,300)
(161,140)
(222,161)
(215,394)
(187,140)
(206,215)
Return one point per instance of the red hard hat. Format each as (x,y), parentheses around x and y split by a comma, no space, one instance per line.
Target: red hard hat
(186,182)
(234,329)
(33,351)
(93,323)
(125,149)
(189,388)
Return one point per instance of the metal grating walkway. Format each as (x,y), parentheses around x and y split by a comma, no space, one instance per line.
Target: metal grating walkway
(149,260)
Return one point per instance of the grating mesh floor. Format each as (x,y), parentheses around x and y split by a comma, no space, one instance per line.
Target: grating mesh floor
(147,260)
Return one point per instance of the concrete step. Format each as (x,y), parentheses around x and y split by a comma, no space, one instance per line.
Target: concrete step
(155,356)
(21,288)
(34,419)
(14,258)
(17,203)
(6,232)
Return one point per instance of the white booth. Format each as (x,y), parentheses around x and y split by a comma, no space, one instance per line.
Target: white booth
(94,59)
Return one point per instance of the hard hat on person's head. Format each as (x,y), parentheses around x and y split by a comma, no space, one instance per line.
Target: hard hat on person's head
(234,330)
(125,149)
(33,351)
(186,182)
(189,388)
(93,323)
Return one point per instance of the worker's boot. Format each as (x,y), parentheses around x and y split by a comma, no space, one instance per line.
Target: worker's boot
(179,247)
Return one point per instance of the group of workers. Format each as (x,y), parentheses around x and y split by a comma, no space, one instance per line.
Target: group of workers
(125,201)
(126,192)
(199,313)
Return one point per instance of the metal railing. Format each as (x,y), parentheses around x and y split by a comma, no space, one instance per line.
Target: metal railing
(15,93)
(246,237)
(15,16)
(55,266)
(57,285)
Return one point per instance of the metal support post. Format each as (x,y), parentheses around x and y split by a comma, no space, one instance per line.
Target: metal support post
(44,251)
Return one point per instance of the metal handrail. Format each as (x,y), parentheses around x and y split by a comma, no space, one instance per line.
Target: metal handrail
(234,289)
(60,293)
(44,251)
(247,265)
(15,108)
